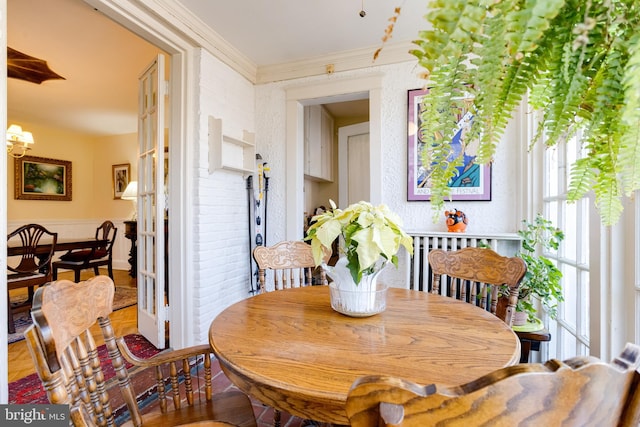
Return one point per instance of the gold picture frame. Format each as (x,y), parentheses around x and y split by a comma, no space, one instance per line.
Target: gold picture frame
(121,174)
(40,178)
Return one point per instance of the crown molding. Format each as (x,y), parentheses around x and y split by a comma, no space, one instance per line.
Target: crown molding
(333,63)
(191,26)
(201,35)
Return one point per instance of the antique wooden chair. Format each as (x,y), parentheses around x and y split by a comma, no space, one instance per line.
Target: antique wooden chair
(475,275)
(83,259)
(32,267)
(291,264)
(66,359)
(582,391)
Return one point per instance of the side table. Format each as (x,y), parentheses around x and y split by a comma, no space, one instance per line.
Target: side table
(131,233)
(531,334)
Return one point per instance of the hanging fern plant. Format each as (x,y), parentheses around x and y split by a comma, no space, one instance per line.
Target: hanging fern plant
(579,61)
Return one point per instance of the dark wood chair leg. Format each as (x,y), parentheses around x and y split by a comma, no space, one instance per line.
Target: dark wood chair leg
(76,275)
(525,349)
(11,325)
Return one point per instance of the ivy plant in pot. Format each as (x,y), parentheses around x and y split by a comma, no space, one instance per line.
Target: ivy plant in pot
(542,280)
(369,238)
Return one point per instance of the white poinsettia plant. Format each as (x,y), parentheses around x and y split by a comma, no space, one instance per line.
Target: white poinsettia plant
(369,233)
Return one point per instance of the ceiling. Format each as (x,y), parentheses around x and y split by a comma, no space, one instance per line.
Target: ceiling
(277,31)
(101,60)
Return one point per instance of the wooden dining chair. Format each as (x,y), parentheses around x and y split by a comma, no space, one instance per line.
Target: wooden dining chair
(476,275)
(78,260)
(31,268)
(66,359)
(290,264)
(580,392)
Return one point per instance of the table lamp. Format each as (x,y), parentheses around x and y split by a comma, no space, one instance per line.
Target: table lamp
(131,193)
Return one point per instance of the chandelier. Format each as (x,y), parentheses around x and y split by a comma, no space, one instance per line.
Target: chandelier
(18,141)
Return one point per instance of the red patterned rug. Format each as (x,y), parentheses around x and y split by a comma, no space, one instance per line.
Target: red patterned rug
(29,389)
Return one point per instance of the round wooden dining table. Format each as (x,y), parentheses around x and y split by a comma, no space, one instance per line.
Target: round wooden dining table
(291,351)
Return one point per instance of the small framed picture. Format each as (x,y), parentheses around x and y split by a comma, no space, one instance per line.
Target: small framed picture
(121,175)
(39,178)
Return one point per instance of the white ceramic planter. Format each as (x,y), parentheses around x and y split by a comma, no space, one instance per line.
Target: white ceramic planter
(356,300)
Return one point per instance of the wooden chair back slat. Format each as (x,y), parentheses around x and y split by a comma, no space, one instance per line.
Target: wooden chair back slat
(32,267)
(67,360)
(290,263)
(83,259)
(582,391)
(475,275)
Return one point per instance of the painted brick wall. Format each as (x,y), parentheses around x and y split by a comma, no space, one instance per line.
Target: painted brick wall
(221,252)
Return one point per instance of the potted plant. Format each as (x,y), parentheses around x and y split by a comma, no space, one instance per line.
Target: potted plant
(542,280)
(370,236)
(578,62)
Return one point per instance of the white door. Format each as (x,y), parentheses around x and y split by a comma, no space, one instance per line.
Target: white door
(353,164)
(152,303)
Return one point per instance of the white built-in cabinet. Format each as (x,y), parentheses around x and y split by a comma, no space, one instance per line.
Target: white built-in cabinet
(318,143)
(229,153)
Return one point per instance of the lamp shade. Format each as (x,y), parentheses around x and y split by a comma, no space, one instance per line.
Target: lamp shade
(131,192)
(14,133)
(27,138)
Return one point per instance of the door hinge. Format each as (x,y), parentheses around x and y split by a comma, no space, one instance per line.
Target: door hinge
(166,313)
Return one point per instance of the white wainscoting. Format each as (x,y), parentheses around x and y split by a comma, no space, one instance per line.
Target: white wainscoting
(79,228)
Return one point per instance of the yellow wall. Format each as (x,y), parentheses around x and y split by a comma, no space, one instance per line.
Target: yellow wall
(91,164)
(109,151)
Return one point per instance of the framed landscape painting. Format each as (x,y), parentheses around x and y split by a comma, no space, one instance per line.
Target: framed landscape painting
(472,182)
(39,178)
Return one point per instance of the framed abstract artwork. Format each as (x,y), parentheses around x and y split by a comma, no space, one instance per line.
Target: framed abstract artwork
(39,178)
(472,181)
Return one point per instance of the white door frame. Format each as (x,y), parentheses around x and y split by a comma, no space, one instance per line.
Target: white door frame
(325,93)
(150,25)
(173,41)
(4,358)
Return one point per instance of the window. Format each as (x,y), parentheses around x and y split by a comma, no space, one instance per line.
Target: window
(570,331)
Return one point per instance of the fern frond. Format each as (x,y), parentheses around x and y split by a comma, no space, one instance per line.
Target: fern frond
(579,59)
(456,24)
(608,199)
(630,141)
(582,179)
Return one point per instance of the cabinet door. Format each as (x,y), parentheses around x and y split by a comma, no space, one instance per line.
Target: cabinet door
(307,140)
(326,145)
(318,143)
